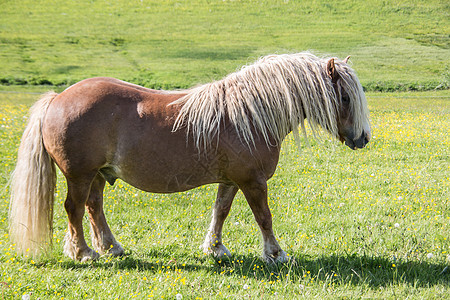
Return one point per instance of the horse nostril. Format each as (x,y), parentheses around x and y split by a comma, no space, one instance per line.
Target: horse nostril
(366,140)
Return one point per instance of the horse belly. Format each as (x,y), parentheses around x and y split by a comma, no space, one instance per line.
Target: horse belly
(166,175)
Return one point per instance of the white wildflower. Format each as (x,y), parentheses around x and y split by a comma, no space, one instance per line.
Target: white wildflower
(26,296)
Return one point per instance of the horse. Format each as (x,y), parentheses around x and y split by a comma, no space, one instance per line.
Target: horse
(228,132)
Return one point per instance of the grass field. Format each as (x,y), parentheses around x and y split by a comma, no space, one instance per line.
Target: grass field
(372,223)
(395,45)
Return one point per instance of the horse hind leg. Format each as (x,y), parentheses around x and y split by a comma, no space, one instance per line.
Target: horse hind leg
(75,245)
(102,238)
(213,241)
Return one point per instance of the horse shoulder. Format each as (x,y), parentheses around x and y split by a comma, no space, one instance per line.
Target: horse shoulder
(243,163)
(158,105)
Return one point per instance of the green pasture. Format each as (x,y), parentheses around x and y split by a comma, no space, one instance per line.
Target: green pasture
(395,45)
(372,223)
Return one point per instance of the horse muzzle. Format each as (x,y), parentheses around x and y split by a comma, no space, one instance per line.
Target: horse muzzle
(358,143)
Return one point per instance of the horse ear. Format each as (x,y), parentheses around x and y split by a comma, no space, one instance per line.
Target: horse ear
(346,59)
(331,70)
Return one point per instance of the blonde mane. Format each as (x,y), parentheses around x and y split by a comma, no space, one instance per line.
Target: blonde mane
(272,97)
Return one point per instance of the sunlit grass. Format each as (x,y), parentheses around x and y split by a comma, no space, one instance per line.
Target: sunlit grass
(371,223)
(177,44)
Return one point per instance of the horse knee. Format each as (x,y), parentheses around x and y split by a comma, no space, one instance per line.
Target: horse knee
(94,204)
(221,213)
(265,224)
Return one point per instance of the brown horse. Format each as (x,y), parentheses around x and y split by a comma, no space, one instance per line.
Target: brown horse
(227,132)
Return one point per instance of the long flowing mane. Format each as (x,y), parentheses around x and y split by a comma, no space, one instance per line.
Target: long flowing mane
(272,97)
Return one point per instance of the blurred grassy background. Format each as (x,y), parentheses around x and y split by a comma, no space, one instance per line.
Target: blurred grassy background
(395,45)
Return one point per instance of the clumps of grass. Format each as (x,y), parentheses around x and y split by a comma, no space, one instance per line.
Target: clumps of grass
(150,82)
(391,86)
(34,81)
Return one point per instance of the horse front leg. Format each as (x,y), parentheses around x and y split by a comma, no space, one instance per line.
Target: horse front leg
(256,194)
(102,238)
(213,241)
(75,245)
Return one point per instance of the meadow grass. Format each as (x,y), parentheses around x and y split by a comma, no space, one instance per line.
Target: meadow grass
(367,224)
(372,223)
(395,45)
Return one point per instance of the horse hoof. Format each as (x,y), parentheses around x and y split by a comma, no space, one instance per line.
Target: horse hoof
(116,250)
(280,257)
(90,257)
(218,251)
(80,255)
(221,251)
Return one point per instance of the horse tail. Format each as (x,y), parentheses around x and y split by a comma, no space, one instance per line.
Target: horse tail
(32,187)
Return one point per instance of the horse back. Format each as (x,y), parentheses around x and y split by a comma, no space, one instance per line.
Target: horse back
(120,130)
(99,121)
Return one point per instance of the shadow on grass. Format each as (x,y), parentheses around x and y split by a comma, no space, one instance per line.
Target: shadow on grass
(352,269)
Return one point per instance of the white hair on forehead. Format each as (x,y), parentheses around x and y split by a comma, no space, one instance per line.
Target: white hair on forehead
(274,96)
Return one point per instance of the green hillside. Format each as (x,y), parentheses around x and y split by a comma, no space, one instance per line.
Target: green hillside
(170,44)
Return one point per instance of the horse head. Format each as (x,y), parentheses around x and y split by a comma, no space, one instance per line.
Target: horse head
(353,127)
